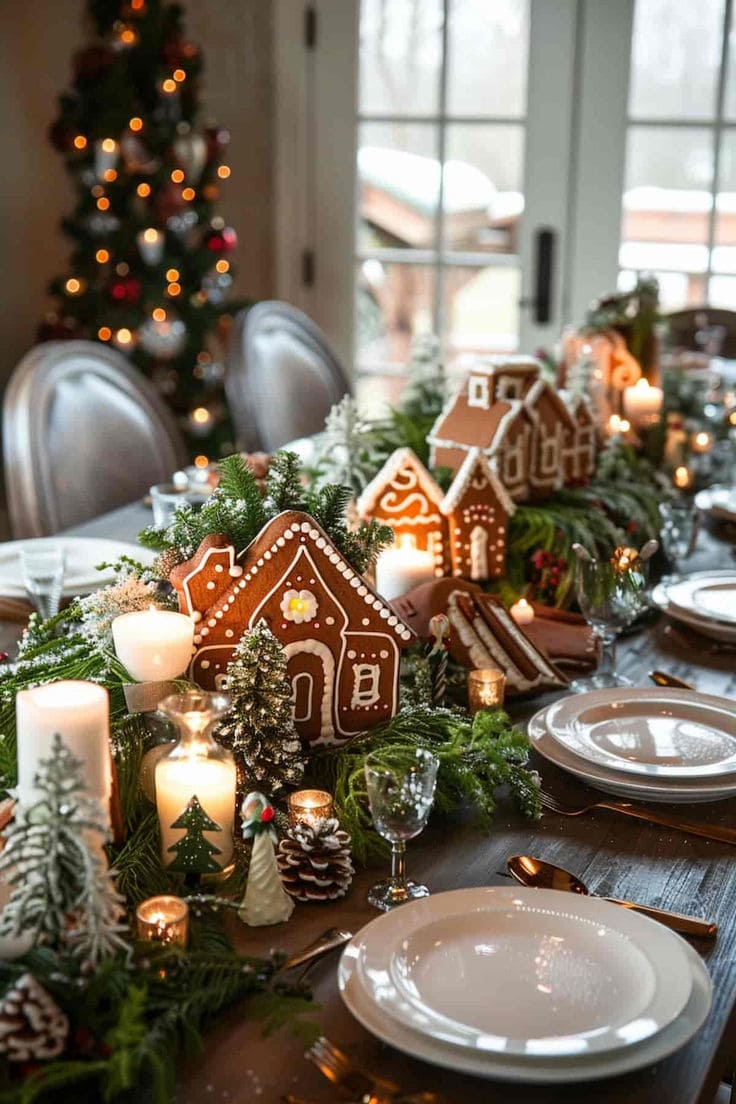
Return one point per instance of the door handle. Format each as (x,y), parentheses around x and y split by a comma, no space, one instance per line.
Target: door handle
(544,260)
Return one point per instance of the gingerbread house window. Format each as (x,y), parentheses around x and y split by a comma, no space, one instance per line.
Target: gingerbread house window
(302,688)
(508,387)
(366,680)
(478,391)
(549,454)
(511,465)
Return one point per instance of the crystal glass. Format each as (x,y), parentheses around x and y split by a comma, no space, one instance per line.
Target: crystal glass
(400,793)
(610,596)
(677,532)
(196,767)
(42,567)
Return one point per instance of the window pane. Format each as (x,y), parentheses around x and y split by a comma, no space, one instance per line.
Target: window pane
(724,255)
(400,57)
(483,198)
(675,59)
(729,103)
(481,309)
(722,292)
(488,48)
(394,305)
(399,182)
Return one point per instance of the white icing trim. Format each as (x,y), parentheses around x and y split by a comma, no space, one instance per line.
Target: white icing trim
(316,647)
(399,459)
(200,567)
(475,458)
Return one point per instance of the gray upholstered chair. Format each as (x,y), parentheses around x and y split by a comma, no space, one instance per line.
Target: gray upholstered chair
(684,324)
(282,377)
(83,433)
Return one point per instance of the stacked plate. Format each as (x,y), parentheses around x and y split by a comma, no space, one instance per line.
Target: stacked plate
(656,745)
(83,555)
(525,984)
(705,600)
(719,502)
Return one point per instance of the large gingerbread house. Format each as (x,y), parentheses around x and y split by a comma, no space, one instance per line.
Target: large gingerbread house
(519,421)
(341,640)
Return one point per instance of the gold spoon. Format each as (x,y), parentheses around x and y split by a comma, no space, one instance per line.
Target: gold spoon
(543,875)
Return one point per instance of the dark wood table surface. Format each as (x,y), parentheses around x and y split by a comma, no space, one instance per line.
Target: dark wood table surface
(614,855)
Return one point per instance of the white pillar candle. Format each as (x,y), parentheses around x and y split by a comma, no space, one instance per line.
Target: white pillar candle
(153,644)
(107,152)
(150,245)
(80,713)
(178,780)
(402,568)
(643,403)
(522,612)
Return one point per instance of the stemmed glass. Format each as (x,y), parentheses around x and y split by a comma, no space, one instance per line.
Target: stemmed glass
(42,567)
(677,533)
(400,793)
(611,593)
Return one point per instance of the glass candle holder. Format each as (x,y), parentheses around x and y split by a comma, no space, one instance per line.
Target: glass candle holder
(163,919)
(486,688)
(309,806)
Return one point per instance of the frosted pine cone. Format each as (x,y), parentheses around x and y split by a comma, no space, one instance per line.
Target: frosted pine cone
(314,861)
(32,1026)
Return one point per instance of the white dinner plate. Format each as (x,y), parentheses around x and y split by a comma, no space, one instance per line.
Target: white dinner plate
(669,791)
(83,554)
(659,733)
(711,596)
(577,976)
(565,1070)
(725,631)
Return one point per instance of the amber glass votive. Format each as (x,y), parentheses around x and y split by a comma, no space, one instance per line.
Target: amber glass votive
(309,806)
(163,919)
(486,688)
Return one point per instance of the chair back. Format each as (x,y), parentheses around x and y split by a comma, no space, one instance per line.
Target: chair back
(683,326)
(282,377)
(83,433)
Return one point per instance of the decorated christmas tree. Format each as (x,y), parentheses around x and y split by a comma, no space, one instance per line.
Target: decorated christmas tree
(149,270)
(193,852)
(260,729)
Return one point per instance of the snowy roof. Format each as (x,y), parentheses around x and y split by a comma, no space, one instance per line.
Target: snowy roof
(401,458)
(475,458)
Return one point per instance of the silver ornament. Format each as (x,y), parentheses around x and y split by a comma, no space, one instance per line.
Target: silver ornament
(163,339)
(190,151)
(183,223)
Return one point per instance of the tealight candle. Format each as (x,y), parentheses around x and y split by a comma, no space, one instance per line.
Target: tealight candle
(107,151)
(80,713)
(618,426)
(402,568)
(153,644)
(163,919)
(150,245)
(522,612)
(486,688)
(309,806)
(683,477)
(642,403)
(701,442)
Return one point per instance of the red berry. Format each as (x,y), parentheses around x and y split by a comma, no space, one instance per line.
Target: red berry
(267,814)
(4,657)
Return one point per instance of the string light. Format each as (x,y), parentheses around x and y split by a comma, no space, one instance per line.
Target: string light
(143,190)
(168,86)
(172,274)
(123,336)
(201,461)
(102,256)
(158,314)
(204,357)
(179,75)
(136,123)
(173,289)
(128,36)
(109,145)
(223,172)
(122,269)
(109,175)
(137,5)
(80,142)
(223,266)
(188,194)
(177,176)
(103,204)
(73,286)
(150,235)
(201,415)
(104,333)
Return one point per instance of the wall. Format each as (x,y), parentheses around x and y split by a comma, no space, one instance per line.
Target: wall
(35,64)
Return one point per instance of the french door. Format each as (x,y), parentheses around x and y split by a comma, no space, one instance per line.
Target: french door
(457,169)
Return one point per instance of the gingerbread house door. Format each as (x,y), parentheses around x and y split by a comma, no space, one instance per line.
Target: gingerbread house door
(479,560)
(310,666)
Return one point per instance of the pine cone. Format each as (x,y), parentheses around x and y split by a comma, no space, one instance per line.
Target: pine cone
(32,1026)
(314,861)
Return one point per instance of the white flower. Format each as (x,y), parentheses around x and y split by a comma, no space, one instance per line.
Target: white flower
(298,606)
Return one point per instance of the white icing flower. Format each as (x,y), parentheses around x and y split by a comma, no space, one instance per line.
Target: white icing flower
(298,606)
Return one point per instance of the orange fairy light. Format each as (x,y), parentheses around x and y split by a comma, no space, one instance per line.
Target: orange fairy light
(223,172)
(104,333)
(136,123)
(201,415)
(177,176)
(223,266)
(123,336)
(109,175)
(103,203)
(109,145)
(188,194)
(201,461)
(143,190)
(102,256)
(80,142)
(172,274)
(173,289)
(168,86)
(158,314)
(73,286)
(179,75)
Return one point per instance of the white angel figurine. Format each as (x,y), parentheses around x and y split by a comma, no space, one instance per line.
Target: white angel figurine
(266,901)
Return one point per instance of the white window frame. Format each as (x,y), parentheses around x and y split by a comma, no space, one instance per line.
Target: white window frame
(478,393)
(365,697)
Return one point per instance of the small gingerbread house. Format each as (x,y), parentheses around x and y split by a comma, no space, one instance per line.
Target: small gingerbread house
(581,445)
(404,496)
(342,641)
(477,509)
(552,426)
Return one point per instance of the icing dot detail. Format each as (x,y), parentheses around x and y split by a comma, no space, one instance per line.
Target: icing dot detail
(235,572)
(329,620)
(212,622)
(219,569)
(229,633)
(196,616)
(211,585)
(204,664)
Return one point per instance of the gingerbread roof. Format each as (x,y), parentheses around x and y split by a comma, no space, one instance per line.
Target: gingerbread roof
(524,366)
(400,459)
(541,390)
(579,407)
(270,557)
(466,427)
(475,459)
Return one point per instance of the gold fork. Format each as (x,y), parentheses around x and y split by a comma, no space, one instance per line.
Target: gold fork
(335,1065)
(639,812)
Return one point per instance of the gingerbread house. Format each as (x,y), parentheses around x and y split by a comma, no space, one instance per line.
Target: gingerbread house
(342,641)
(477,509)
(404,496)
(581,445)
(552,427)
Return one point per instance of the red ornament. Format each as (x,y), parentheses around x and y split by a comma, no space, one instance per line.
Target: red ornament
(127,290)
(267,814)
(4,657)
(221,241)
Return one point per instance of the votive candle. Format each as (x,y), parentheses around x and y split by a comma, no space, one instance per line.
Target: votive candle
(153,644)
(150,245)
(643,403)
(522,612)
(212,782)
(309,806)
(486,688)
(400,569)
(163,919)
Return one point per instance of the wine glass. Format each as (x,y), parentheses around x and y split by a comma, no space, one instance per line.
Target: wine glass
(677,533)
(400,792)
(42,567)
(611,593)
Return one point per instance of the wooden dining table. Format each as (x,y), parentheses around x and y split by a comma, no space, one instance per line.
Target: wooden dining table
(613,854)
